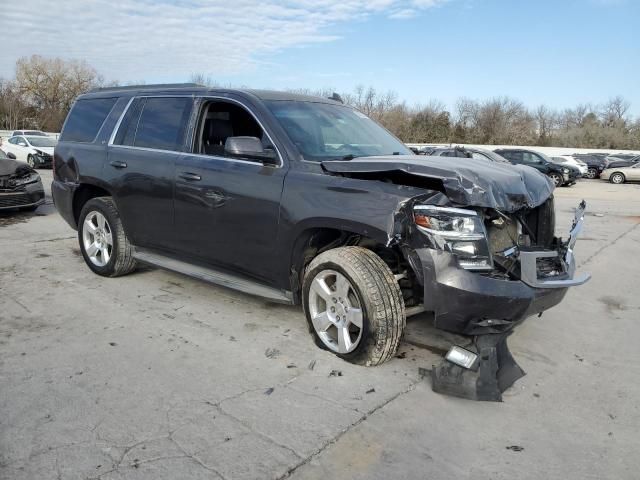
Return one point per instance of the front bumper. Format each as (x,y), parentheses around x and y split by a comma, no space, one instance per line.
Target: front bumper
(31,195)
(43,160)
(472,303)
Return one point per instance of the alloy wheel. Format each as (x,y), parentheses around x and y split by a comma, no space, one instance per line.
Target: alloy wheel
(617,178)
(31,162)
(591,173)
(97,238)
(336,312)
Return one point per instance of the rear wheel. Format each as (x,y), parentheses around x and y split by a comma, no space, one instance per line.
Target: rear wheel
(557,179)
(592,173)
(103,242)
(353,305)
(617,178)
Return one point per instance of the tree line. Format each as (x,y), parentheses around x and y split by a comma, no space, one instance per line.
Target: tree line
(43,90)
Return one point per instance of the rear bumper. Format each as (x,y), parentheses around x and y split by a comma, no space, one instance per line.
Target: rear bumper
(62,194)
(32,195)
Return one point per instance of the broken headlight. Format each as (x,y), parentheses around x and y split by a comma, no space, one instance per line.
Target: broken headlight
(30,178)
(458,231)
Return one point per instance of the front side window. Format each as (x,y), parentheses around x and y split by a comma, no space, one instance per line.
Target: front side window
(85,119)
(219,121)
(21,141)
(323,131)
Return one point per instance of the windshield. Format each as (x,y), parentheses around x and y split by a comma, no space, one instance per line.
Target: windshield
(42,141)
(324,131)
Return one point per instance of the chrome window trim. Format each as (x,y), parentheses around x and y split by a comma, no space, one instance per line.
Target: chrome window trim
(204,97)
(117,126)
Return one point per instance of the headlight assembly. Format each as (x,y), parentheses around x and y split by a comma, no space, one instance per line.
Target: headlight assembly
(31,178)
(458,231)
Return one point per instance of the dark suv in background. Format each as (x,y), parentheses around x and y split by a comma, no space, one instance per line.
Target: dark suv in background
(596,163)
(560,175)
(304,200)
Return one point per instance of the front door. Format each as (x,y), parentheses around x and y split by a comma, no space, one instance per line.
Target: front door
(140,167)
(227,208)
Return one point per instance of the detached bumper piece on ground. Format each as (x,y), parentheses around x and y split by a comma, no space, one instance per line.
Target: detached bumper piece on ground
(486,369)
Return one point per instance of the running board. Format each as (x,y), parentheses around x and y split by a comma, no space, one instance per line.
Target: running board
(212,276)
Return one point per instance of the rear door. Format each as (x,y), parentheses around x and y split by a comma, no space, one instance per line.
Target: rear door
(227,208)
(140,166)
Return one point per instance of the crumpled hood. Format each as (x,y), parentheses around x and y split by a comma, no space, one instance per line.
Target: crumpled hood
(466,181)
(47,150)
(11,167)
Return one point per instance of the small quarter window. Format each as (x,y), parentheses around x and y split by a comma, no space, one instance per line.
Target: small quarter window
(85,119)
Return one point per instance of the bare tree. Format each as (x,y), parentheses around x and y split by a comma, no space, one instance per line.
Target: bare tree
(50,85)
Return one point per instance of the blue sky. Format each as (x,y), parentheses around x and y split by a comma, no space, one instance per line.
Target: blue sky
(560,53)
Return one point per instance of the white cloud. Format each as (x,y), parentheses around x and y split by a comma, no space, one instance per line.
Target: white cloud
(137,39)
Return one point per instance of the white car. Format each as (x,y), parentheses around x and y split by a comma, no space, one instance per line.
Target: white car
(37,151)
(622,174)
(568,159)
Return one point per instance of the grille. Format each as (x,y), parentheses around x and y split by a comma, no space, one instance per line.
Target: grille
(15,200)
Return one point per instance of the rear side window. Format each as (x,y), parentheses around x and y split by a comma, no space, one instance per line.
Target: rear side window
(158,123)
(85,119)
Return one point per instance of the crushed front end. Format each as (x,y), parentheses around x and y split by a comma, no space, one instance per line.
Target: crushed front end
(20,186)
(482,272)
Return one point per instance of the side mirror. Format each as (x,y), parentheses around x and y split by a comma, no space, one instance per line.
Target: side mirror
(249,147)
(11,155)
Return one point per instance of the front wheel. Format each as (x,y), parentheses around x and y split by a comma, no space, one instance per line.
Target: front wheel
(354,305)
(31,161)
(556,178)
(617,178)
(103,242)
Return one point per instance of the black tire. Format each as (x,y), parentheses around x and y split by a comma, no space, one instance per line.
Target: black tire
(31,161)
(557,179)
(121,261)
(592,173)
(379,296)
(617,178)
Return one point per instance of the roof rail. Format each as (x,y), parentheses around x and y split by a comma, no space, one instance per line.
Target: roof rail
(143,87)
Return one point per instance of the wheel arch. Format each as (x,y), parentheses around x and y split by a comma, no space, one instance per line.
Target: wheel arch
(319,237)
(84,193)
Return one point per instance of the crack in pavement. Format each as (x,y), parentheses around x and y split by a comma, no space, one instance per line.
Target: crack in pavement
(335,439)
(609,244)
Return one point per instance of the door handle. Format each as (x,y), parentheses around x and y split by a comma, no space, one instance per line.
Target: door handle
(118,164)
(190,177)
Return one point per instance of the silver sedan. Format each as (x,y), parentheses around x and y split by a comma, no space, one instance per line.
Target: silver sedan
(622,174)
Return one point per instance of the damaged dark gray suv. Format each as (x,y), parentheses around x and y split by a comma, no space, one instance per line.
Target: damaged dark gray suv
(307,201)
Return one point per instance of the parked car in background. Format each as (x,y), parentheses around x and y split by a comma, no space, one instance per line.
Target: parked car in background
(622,174)
(31,133)
(621,156)
(559,174)
(596,163)
(20,185)
(569,161)
(36,151)
(482,154)
(446,152)
(615,162)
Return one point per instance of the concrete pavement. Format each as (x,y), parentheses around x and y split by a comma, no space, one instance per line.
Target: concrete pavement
(157,376)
